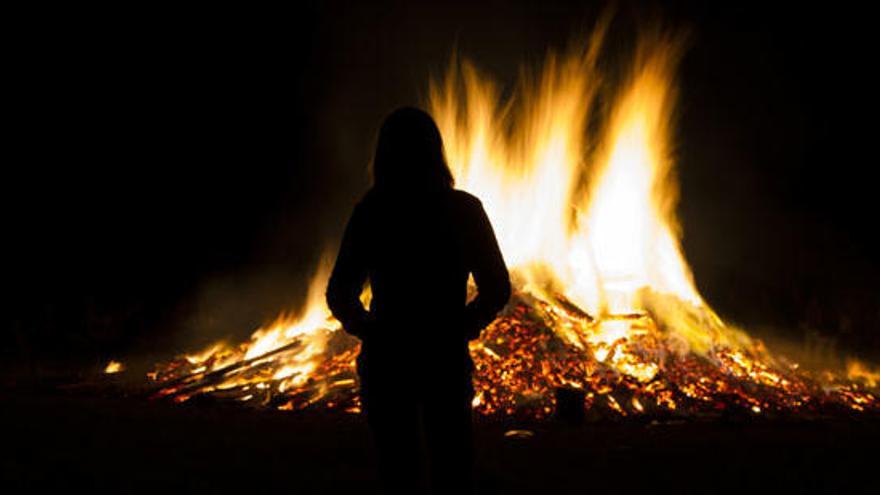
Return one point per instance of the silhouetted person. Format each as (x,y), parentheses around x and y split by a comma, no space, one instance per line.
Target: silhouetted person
(416,240)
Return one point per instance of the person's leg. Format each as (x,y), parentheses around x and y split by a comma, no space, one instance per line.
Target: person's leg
(394,425)
(449,436)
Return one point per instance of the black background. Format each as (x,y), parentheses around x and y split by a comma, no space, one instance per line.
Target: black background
(178,171)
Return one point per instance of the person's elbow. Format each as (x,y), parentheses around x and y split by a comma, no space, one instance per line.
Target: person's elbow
(334,298)
(502,295)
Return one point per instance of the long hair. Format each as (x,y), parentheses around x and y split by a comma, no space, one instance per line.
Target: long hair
(409,154)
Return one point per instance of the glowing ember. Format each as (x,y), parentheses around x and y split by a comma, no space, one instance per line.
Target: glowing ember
(114,367)
(604,302)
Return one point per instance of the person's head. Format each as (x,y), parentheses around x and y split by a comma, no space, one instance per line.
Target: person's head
(409,153)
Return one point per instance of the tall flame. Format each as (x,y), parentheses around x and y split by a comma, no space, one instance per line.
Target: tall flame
(590,214)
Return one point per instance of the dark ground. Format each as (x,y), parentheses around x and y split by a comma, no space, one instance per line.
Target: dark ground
(83,438)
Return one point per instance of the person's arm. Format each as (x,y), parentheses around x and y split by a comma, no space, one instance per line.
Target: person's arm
(348,278)
(490,275)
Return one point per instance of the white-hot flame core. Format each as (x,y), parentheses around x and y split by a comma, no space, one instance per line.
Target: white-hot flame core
(630,222)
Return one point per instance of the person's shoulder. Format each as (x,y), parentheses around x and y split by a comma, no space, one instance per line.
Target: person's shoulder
(465,199)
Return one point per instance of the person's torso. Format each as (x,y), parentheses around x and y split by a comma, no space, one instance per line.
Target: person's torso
(417,263)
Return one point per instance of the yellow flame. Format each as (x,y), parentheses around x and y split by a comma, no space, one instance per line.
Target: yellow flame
(306,333)
(286,329)
(856,370)
(206,354)
(629,217)
(587,215)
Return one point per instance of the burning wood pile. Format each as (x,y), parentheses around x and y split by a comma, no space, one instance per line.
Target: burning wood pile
(521,362)
(605,304)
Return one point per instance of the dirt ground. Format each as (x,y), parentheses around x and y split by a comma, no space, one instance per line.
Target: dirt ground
(69,438)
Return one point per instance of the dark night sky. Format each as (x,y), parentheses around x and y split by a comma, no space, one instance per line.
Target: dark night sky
(183,169)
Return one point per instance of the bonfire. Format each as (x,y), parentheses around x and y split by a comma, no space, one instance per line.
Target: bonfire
(604,303)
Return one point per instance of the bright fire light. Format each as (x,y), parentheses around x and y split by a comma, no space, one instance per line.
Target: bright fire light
(604,300)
